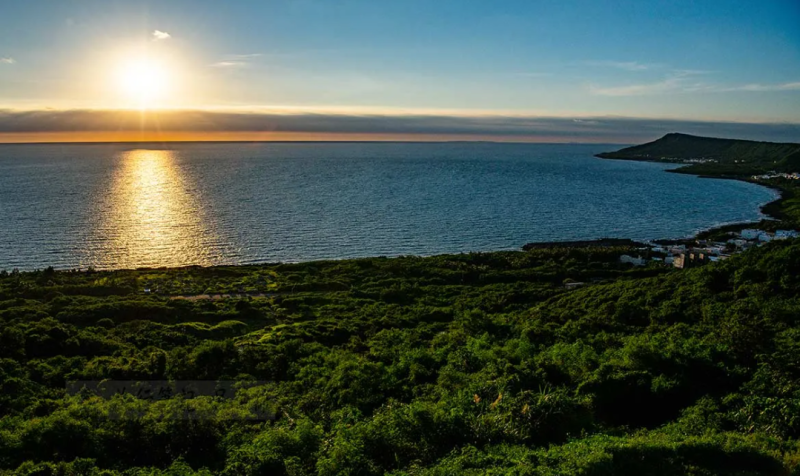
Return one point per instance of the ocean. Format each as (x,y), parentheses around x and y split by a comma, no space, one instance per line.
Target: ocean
(113,206)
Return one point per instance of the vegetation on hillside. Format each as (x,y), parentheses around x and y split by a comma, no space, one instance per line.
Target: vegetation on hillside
(460,364)
(731,156)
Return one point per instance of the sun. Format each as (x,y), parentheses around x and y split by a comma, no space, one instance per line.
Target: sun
(143,82)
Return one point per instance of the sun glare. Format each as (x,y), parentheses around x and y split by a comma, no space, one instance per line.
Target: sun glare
(144,82)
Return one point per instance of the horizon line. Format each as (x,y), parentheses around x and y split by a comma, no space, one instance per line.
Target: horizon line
(279,141)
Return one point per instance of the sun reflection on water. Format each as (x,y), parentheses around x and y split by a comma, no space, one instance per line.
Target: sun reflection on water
(153,218)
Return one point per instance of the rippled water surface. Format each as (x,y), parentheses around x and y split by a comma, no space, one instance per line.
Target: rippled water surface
(118,206)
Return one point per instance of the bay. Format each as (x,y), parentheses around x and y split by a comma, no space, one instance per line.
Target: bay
(115,206)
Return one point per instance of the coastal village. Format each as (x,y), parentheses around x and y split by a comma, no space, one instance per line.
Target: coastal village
(687,254)
(773,175)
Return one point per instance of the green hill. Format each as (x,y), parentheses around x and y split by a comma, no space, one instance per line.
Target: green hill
(677,147)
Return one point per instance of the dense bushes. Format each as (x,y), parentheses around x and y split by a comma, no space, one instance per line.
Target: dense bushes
(469,364)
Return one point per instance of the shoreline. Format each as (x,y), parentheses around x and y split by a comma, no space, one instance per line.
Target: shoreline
(769,209)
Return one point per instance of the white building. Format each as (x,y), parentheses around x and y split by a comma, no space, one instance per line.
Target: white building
(764,238)
(783,234)
(750,234)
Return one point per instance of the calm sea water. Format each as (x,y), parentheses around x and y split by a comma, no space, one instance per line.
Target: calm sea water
(119,206)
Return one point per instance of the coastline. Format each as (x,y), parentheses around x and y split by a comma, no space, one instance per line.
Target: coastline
(772,210)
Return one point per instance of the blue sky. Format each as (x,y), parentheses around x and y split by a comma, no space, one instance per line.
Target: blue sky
(704,60)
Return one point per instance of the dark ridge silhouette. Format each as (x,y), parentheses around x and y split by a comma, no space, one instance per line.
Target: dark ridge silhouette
(676,147)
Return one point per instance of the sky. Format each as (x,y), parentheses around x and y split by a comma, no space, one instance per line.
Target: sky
(554,71)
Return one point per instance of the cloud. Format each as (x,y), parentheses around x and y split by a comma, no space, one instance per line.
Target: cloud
(686,81)
(7,60)
(676,80)
(161,35)
(585,121)
(690,72)
(659,87)
(229,64)
(235,61)
(625,65)
(793,86)
(419,127)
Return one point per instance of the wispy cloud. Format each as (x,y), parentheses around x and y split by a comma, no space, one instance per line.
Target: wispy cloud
(159,35)
(642,89)
(235,61)
(624,65)
(691,72)
(229,64)
(687,81)
(793,86)
(673,79)
(7,60)
(681,85)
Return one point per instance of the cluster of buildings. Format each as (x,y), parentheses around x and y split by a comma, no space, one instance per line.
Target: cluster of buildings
(772,175)
(679,256)
(760,236)
(702,251)
(701,160)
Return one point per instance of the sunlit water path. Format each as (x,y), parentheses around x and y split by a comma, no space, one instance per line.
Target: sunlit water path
(118,206)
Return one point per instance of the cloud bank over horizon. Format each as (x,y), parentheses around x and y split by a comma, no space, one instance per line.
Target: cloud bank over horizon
(39,125)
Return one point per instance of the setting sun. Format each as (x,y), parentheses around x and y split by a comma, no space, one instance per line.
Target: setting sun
(144,82)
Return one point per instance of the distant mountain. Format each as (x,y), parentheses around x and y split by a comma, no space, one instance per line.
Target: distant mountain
(677,147)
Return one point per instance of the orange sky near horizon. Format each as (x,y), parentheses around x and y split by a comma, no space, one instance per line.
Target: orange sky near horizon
(268,136)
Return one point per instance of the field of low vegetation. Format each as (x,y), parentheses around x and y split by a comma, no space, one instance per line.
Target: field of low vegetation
(460,364)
